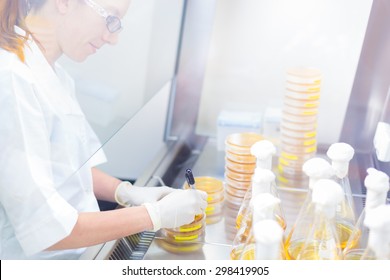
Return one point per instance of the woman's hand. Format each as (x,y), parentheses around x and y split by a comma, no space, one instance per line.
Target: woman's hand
(127,194)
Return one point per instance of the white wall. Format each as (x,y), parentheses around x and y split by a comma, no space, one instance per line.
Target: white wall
(255,41)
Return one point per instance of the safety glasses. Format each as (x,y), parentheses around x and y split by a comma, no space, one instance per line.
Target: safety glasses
(113,23)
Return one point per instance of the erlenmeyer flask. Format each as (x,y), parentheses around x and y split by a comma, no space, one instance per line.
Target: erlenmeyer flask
(265,242)
(377,184)
(315,169)
(263,151)
(262,207)
(341,154)
(322,241)
(378,244)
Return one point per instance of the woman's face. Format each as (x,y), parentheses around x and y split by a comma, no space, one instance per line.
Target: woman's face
(83,30)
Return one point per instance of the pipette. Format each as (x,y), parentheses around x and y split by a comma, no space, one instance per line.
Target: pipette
(190,178)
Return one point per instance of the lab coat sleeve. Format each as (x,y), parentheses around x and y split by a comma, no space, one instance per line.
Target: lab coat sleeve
(39,215)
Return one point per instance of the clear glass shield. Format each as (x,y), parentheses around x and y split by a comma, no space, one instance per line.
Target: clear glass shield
(117,81)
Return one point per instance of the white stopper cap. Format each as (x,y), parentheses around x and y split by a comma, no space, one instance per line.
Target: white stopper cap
(378,221)
(263,151)
(377,184)
(327,194)
(317,168)
(382,141)
(263,206)
(262,180)
(340,154)
(378,218)
(268,236)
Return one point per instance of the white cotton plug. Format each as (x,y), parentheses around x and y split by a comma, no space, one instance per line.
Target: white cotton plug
(327,194)
(263,151)
(263,206)
(378,221)
(262,180)
(340,154)
(317,168)
(268,237)
(377,184)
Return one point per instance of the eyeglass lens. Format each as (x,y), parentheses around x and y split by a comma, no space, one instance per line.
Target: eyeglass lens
(113,24)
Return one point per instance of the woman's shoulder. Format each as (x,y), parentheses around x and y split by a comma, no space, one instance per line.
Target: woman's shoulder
(12,66)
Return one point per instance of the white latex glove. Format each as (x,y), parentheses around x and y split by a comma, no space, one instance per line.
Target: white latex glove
(177,208)
(127,194)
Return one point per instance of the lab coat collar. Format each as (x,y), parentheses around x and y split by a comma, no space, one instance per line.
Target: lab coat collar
(47,77)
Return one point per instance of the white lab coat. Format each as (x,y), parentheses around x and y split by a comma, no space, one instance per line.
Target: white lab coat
(45,150)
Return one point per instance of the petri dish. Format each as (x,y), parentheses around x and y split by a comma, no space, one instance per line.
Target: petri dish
(285,170)
(230,229)
(310,126)
(179,237)
(302,95)
(297,133)
(240,167)
(303,103)
(215,197)
(179,249)
(299,119)
(295,157)
(195,225)
(289,177)
(230,216)
(306,88)
(293,164)
(304,75)
(300,111)
(240,158)
(294,149)
(213,219)
(241,185)
(214,208)
(237,175)
(298,182)
(207,184)
(212,186)
(236,192)
(230,224)
(233,202)
(182,242)
(298,141)
(240,143)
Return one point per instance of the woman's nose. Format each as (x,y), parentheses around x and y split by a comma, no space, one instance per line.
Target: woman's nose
(110,38)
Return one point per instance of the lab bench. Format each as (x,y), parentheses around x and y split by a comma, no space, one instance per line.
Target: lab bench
(218,240)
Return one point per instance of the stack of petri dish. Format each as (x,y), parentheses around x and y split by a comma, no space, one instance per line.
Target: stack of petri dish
(215,197)
(185,239)
(239,168)
(298,141)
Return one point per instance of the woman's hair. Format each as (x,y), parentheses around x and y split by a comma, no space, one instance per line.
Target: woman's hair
(12,13)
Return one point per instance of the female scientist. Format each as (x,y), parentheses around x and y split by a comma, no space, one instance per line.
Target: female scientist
(48,187)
